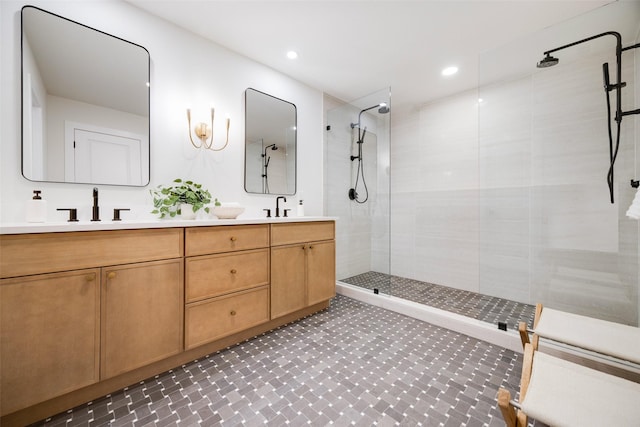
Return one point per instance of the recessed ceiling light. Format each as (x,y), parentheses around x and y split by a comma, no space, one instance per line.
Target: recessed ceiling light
(292,54)
(449,71)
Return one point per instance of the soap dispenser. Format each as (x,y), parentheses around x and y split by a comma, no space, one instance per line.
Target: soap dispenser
(300,208)
(36,208)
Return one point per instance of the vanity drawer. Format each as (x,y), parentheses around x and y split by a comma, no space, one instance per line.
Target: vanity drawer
(299,232)
(215,318)
(213,275)
(26,254)
(210,240)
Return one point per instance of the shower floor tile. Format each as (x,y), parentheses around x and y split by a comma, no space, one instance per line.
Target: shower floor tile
(352,364)
(477,306)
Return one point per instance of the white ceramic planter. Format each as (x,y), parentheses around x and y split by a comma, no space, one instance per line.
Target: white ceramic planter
(186,211)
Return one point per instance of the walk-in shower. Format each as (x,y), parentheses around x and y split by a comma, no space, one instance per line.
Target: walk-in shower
(488,201)
(359,177)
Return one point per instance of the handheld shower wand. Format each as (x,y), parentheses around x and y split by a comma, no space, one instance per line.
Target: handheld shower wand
(353,192)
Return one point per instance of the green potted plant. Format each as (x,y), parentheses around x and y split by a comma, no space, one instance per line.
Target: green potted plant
(168,200)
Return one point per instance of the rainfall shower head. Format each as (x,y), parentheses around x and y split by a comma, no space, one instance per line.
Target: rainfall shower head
(382,109)
(548,61)
(273,147)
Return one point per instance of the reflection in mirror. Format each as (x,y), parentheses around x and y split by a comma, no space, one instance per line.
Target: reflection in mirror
(85,103)
(270,144)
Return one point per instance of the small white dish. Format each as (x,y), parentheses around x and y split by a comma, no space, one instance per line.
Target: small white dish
(227,212)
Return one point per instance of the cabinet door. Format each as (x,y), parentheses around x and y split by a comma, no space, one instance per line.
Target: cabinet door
(142,314)
(49,336)
(321,271)
(288,283)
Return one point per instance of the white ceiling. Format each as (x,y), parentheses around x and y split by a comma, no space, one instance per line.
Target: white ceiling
(351,48)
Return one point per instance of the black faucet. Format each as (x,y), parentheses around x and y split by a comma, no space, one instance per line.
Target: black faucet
(96,209)
(278,204)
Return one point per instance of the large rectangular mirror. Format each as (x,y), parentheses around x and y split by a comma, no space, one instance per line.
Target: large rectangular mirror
(85,103)
(270,144)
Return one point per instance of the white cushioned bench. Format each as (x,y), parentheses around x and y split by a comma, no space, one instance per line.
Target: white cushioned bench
(561,393)
(609,338)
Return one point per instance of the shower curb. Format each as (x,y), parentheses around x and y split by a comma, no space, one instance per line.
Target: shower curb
(462,324)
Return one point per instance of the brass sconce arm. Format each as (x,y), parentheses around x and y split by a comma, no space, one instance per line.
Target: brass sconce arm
(204,132)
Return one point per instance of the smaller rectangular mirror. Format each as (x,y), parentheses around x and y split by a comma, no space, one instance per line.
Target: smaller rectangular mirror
(270,144)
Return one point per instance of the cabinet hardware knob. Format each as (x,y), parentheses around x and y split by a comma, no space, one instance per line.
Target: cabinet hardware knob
(90,278)
(310,246)
(111,275)
(234,271)
(233,312)
(233,238)
(304,247)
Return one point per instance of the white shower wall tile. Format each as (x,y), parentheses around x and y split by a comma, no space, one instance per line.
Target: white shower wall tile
(448,215)
(450,261)
(403,236)
(503,274)
(504,141)
(583,282)
(504,243)
(448,143)
(577,217)
(405,151)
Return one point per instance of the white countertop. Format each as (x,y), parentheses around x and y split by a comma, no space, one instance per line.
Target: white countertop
(61,227)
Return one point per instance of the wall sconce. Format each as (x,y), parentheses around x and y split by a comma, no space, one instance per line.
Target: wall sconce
(203,131)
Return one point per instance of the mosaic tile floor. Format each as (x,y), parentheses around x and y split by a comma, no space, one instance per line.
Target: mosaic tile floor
(352,364)
(481,307)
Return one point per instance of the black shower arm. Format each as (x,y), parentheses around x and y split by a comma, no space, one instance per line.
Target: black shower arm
(588,39)
(619,84)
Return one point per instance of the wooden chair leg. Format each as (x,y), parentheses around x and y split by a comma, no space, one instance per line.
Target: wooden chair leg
(524,335)
(508,411)
(537,315)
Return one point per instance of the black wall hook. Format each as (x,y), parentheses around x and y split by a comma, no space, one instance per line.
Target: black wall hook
(635,184)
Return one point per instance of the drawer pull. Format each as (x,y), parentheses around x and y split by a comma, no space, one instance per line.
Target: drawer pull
(90,277)
(111,275)
(233,312)
(233,238)
(234,271)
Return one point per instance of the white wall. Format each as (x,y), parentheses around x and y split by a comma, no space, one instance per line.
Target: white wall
(186,71)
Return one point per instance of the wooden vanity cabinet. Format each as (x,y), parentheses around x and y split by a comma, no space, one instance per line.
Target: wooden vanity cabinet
(49,336)
(83,314)
(80,307)
(227,281)
(302,265)
(142,312)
